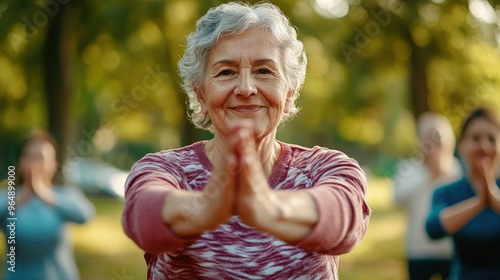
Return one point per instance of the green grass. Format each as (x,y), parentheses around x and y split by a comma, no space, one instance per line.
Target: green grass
(103,252)
(380,255)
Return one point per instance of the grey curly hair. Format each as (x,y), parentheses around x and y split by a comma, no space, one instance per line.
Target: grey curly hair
(235,18)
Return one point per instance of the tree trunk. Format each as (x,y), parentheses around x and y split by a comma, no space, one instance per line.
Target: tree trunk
(59,70)
(419,90)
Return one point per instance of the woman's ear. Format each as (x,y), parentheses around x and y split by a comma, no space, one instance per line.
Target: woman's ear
(289,101)
(201,99)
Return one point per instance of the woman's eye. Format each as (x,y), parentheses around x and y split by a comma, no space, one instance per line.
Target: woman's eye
(225,73)
(263,71)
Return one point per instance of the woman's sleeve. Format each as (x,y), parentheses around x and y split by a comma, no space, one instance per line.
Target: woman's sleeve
(72,204)
(339,194)
(147,186)
(433,226)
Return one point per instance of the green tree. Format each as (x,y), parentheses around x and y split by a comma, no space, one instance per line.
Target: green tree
(102,76)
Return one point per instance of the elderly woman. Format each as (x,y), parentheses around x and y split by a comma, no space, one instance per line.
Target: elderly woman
(468,210)
(244,205)
(414,183)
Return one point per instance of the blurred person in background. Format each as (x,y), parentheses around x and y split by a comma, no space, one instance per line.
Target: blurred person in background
(43,249)
(413,184)
(468,210)
(244,205)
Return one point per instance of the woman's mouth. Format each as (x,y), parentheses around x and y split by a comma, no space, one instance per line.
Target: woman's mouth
(246,108)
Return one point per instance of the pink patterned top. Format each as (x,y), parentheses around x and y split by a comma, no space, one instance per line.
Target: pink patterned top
(234,250)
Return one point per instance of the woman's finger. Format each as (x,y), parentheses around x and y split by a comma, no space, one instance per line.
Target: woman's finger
(489,174)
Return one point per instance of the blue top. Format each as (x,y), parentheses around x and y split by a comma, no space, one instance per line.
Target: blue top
(477,244)
(42,248)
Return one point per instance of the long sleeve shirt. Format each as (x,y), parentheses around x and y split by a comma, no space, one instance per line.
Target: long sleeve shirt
(42,245)
(412,190)
(234,250)
(477,243)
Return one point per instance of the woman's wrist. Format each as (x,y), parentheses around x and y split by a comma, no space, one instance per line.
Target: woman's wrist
(287,215)
(190,213)
(179,213)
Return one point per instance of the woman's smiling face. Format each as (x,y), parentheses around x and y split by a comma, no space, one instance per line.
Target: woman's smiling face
(244,80)
(481,141)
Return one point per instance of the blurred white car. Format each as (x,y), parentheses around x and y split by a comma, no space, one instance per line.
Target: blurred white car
(95,177)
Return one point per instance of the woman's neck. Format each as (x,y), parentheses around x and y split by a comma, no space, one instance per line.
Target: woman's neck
(268,151)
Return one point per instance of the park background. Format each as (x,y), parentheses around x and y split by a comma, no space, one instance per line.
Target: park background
(102,77)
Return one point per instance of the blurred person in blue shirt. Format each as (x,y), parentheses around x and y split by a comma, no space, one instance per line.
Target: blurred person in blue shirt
(38,245)
(468,210)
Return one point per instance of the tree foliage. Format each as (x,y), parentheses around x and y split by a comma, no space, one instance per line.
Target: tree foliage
(107,76)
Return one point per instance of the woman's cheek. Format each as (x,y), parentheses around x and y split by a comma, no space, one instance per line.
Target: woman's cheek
(474,159)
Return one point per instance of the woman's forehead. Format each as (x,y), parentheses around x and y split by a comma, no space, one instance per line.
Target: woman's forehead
(39,147)
(479,125)
(253,42)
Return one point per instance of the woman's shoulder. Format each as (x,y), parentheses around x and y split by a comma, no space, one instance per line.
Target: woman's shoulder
(176,161)
(315,151)
(316,155)
(177,155)
(180,151)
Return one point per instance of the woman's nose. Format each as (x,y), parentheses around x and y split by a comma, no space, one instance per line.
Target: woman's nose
(486,146)
(246,84)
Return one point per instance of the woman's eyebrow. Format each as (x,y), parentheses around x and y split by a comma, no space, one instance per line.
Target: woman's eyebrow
(231,62)
(225,62)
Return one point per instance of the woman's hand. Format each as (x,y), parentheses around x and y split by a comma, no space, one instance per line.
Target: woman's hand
(192,213)
(490,187)
(36,184)
(239,186)
(287,215)
(40,186)
(220,192)
(256,204)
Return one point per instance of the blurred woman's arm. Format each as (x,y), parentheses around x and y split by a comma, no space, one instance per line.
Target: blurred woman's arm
(447,216)
(494,196)
(72,204)
(454,217)
(492,189)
